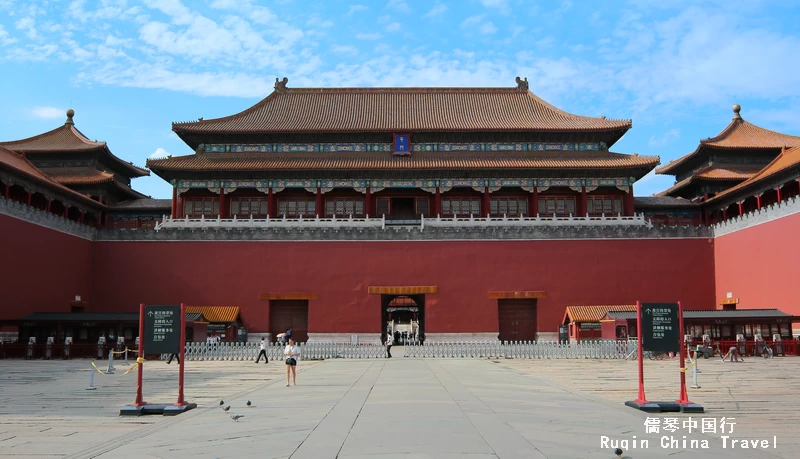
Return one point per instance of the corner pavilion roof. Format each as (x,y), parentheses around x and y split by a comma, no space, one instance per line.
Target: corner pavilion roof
(68,139)
(358,110)
(19,164)
(419,161)
(725,172)
(789,158)
(739,134)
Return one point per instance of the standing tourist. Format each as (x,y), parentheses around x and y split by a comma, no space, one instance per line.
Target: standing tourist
(262,351)
(292,354)
(389,342)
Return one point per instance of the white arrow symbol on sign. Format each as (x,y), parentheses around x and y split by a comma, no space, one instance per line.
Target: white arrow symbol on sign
(150,313)
(647,311)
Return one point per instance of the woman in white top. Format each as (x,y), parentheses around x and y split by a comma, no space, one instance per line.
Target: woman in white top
(292,354)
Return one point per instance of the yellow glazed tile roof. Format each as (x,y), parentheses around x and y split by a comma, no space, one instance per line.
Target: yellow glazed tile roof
(216,314)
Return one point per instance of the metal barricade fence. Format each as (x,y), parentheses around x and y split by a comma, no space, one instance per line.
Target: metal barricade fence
(595,349)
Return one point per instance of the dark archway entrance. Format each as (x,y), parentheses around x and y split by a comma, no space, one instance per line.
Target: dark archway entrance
(286,314)
(517,319)
(404,316)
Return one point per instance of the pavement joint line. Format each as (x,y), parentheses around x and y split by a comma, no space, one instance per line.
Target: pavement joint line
(124,439)
(478,400)
(428,363)
(350,389)
(371,387)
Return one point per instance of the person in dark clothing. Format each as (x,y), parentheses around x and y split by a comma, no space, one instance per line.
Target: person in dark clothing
(169,360)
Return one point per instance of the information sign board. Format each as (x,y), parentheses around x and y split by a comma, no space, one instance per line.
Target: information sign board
(661,327)
(162,329)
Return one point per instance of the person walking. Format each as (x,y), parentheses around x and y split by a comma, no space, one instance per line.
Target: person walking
(389,342)
(262,351)
(292,354)
(171,356)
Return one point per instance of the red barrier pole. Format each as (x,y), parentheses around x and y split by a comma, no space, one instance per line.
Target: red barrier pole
(181,402)
(684,397)
(641,400)
(140,358)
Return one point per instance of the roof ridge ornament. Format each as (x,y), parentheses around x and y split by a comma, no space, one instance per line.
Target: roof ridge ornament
(522,85)
(70,114)
(280,85)
(736,109)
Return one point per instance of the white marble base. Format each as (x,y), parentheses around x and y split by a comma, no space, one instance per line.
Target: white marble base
(547,336)
(345,338)
(491,336)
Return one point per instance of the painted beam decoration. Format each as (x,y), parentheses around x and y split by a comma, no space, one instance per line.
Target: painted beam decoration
(429,185)
(401,145)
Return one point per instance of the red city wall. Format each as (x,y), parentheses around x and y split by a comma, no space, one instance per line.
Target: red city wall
(339,273)
(41,269)
(758,265)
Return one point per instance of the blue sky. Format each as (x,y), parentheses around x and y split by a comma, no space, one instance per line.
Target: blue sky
(130,68)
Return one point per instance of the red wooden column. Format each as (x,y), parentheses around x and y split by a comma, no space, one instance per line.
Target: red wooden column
(81,219)
(533,202)
(706,216)
(174,213)
(367,203)
(222,202)
(66,210)
(270,203)
(8,190)
(758,201)
(30,195)
(724,214)
(437,203)
(779,193)
(584,206)
(179,206)
(49,201)
(486,208)
(318,204)
(741,208)
(629,206)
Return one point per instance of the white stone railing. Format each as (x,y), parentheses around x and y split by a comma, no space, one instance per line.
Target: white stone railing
(539,220)
(245,223)
(766,214)
(46,219)
(422,223)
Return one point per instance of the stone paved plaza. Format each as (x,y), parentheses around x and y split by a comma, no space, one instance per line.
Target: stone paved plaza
(397,408)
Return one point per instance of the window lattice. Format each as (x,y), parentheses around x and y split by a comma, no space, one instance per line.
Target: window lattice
(345,207)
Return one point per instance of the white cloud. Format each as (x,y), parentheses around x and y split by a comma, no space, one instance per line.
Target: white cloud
(662,141)
(368,36)
(437,9)
(355,8)
(703,57)
(472,21)
(160,153)
(394,27)
(500,5)
(47,113)
(344,49)
(398,5)
(478,23)
(5,38)
(27,24)
(487,28)
(316,21)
